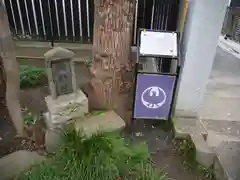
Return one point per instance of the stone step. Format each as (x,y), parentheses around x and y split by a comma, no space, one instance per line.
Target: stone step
(88,125)
(228,161)
(184,127)
(193,128)
(223,127)
(66,107)
(104,122)
(214,139)
(223,137)
(219,108)
(204,154)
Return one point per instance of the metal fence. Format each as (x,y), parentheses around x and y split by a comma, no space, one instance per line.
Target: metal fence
(231,25)
(72,20)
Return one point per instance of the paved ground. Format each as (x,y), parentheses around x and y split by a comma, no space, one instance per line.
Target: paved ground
(220,107)
(222,98)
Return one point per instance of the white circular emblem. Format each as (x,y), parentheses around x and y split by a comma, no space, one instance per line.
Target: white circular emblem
(153,97)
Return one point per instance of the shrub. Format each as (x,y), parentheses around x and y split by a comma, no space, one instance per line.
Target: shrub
(31,77)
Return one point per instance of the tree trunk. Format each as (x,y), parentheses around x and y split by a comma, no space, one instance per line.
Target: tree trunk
(112,68)
(11,69)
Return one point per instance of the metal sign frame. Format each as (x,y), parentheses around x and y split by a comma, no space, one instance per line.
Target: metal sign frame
(176,75)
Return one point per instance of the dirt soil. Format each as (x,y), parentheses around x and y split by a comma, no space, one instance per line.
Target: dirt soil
(33,99)
(160,144)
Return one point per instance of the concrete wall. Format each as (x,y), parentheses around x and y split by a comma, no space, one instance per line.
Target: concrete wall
(200,39)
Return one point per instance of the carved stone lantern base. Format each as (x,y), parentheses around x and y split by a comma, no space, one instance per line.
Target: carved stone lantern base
(66,107)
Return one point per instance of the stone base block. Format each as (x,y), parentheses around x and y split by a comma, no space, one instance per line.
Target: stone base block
(13,164)
(107,122)
(67,107)
(53,139)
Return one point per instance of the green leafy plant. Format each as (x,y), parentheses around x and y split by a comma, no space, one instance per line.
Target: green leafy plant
(31,76)
(29,119)
(104,156)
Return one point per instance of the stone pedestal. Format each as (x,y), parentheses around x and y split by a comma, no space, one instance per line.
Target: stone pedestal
(66,107)
(62,111)
(66,102)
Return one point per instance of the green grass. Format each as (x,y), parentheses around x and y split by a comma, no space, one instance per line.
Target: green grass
(101,157)
(31,77)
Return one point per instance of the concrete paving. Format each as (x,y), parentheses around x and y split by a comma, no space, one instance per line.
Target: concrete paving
(219,112)
(219,116)
(222,97)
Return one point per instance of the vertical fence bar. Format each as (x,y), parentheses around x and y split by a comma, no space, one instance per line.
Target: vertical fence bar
(156,22)
(153,11)
(163,15)
(28,20)
(168,7)
(80,17)
(3,1)
(135,26)
(160,15)
(43,23)
(144,12)
(73,29)
(64,18)
(35,17)
(51,24)
(88,24)
(20,17)
(56,7)
(14,20)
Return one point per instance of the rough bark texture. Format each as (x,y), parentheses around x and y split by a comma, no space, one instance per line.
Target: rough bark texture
(112,68)
(10,69)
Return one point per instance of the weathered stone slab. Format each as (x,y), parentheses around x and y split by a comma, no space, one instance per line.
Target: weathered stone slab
(53,139)
(107,122)
(204,154)
(184,127)
(194,129)
(67,107)
(13,164)
(60,71)
(215,139)
(228,154)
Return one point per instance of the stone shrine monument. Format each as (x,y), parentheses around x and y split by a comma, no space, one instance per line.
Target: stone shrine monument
(66,102)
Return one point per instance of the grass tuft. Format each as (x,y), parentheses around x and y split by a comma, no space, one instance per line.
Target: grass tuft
(104,156)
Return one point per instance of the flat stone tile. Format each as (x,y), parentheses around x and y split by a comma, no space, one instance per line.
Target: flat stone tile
(108,121)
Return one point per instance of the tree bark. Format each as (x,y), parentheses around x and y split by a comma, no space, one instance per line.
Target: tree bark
(11,70)
(112,68)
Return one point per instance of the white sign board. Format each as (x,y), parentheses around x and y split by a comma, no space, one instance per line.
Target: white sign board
(158,43)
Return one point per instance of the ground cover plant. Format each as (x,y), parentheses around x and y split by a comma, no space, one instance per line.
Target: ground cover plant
(104,156)
(31,77)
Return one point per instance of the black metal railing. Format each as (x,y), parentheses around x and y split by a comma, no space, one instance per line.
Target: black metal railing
(72,20)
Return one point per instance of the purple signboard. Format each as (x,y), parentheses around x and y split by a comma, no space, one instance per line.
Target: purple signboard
(153,96)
